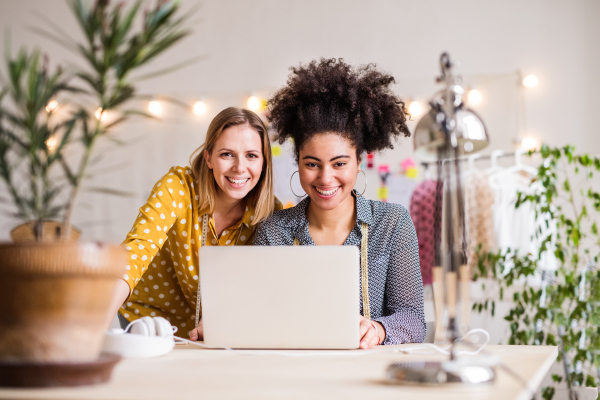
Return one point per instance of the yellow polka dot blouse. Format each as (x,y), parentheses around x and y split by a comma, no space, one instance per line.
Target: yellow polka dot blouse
(162,250)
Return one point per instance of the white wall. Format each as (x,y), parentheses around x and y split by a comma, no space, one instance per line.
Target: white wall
(251,44)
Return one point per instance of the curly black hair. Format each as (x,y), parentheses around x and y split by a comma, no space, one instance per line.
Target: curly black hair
(332,96)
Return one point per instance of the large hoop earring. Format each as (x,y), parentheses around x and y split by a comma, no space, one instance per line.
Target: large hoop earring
(363,192)
(291,186)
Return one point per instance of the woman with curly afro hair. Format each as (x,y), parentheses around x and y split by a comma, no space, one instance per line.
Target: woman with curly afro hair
(334,112)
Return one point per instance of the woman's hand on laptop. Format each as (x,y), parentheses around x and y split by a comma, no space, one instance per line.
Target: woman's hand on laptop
(372,333)
(197,333)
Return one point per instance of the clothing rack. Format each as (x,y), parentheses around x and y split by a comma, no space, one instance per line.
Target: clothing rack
(476,157)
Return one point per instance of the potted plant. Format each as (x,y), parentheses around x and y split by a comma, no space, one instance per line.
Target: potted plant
(565,310)
(55,292)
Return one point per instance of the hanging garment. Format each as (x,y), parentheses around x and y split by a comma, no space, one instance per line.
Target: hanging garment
(422,211)
(479,200)
(515,228)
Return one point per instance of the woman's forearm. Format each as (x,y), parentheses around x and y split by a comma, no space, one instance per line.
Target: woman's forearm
(119,296)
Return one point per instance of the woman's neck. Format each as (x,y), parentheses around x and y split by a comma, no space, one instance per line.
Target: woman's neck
(331,227)
(227,205)
(227,212)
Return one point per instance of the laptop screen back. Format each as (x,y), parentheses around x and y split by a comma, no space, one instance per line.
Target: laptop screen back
(300,297)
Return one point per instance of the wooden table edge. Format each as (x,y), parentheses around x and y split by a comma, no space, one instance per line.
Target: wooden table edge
(536,380)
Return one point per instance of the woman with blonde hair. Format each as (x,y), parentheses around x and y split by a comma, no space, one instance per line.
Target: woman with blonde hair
(217,202)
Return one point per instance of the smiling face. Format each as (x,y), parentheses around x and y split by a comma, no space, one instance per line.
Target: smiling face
(328,166)
(236,161)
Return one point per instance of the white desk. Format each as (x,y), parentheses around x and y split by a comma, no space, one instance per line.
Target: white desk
(193,373)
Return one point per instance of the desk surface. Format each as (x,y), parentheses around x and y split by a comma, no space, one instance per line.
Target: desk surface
(191,372)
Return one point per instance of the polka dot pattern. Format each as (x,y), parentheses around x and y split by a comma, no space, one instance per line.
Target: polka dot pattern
(422,211)
(479,199)
(171,251)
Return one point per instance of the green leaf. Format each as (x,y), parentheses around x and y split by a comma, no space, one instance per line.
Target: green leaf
(548,393)
(170,69)
(125,26)
(590,381)
(119,96)
(110,191)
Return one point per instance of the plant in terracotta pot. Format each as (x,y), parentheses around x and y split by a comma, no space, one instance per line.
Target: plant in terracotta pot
(54,291)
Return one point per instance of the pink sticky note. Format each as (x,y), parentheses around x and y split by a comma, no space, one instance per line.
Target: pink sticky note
(407,163)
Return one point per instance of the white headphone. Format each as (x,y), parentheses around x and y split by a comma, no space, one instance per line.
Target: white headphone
(148,337)
(147,326)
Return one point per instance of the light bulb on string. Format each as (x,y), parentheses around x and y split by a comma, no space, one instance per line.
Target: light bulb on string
(415,109)
(254,103)
(100,114)
(530,143)
(474,96)
(199,107)
(51,106)
(51,143)
(530,81)
(154,107)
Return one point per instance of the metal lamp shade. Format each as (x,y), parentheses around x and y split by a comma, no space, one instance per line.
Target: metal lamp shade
(471,135)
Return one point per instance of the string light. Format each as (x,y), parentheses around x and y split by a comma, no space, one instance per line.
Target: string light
(474,96)
(101,114)
(154,107)
(253,103)
(530,81)
(51,106)
(415,109)
(199,108)
(51,143)
(530,143)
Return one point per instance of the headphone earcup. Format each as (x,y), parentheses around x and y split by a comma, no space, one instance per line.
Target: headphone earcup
(145,327)
(163,327)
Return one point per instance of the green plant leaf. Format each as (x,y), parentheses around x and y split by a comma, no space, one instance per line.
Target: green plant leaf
(171,69)
(109,191)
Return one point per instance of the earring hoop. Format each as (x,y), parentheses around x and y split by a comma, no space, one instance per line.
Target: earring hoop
(363,192)
(291,177)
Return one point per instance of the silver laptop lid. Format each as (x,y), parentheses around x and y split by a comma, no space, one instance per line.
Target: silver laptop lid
(300,297)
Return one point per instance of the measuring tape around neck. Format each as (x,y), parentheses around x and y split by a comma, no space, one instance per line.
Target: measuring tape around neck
(203,243)
(364,268)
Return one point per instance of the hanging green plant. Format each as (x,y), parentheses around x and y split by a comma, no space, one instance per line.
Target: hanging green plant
(565,309)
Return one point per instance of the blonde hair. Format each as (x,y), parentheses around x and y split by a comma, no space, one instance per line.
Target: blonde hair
(261,197)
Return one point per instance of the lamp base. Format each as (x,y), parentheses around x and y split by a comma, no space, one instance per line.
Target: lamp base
(440,373)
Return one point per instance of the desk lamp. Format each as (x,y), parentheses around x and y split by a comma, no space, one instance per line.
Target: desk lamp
(448,131)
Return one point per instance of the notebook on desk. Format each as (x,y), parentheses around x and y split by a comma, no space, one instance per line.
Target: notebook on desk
(301,297)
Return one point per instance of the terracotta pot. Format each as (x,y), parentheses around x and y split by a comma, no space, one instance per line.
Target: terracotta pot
(51,232)
(55,299)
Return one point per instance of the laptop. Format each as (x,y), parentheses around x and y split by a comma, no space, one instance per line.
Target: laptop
(288,297)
